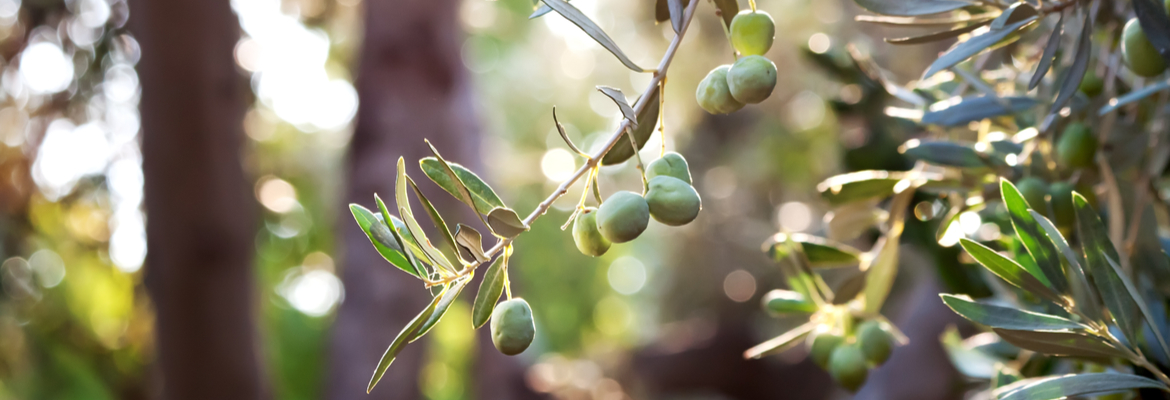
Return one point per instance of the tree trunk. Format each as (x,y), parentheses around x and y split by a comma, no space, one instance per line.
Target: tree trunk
(200,213)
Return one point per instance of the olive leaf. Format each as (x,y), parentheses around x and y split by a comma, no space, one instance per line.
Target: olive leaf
(676,9)
(960,111)
(481,193)
(1061,343)
(972,362)
(470,243)
(1099,251)
(445,298)
(882,267)
(577,18)
(860,185)
(434,255)
(402,234)
(821,252)
(490,289)
(504,222)
(1133,96)
(1009,270)
(1045,62)
(400,341)
(382,238)
(1029,233)
(950,20)
(1075,385)
(945,153)
(618,98)
(1007,318)
(936,36)
(464,194)
(565,135)
(1083,292)
(973,46)
(540,11)
(1151,14)
(727,9)
(909,8)
(780,343)
(1142,306)
(1076,72)
(450,248)
(647,121)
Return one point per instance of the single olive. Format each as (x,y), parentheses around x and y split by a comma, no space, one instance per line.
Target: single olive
(848,367)
(1137,51)
(785,302)
(586,235)
(1091,85)
(672,201)
(713,94)
(623,216)
(670,164)
(1076,147)
(1060,194)
(824,341)
(876,341)
(751,79)
(1034,191)
(752,32)
(512,326)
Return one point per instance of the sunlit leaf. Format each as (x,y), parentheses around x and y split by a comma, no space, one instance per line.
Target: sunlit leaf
(450,247)
(945,153)
(956,112)
(577,18)
(1030,233)
(1076,385)
(882,267)
(1142,305)
(647,121)
(780,343)
(1084,294)
(485,198)
(402,234)
(972,46)
(434,255)
(1061,343)
(382,239)
(540,11)
(470,243)
(505,222)
(909,8)
(971,362)
(618,98)
(490,288)
(920,21)
(1009,270)
(1045,62)
(400,341)
(821,252)
(1007,318)
(445,298)
(1098,251)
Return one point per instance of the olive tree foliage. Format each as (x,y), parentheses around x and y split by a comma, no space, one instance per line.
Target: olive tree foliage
(1037,110)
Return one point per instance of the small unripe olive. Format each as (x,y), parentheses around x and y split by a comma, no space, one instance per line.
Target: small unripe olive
(586,235)
(1034,191)
(848,367)
(876,341)
(671,164)
(823,343)
(783,302)
(1139,54)
(752,32)
(672,201)
(713,94)
(623,216)
(512,326)
(751,79)
(1076,147)
(1091,85)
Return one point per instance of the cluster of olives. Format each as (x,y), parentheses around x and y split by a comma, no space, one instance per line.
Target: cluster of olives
(846,352)
(1075,149)
(670,199)
(752,77)
(512,326)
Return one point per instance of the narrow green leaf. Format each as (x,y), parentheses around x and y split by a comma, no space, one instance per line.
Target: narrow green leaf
(677,8)
(1133,96)
(1030,234)
(450,247)
(402,234)
(1142,305)
(860,185)
(950,20)
(464,194)
(1076,385)
(883,267)
(1098,251)
(1076,72)
(909,8)
(445,298)
(961,111)
(945,153)
(1061,343)
(821,252)
(505,222)
(618,98)
(1009,270)
(780,343)
(382,238)
(490,288)
(937,36)
(482,194)
(400,341)
(434,255)
(972,46)
(1007,318)
(1045,63)
(1083,293)
(577,18)
(647,121)
(970,361)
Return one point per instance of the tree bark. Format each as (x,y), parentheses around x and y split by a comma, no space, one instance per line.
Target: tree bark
(201,215)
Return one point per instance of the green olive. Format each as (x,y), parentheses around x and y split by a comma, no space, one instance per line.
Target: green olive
(1139,54)
(876,341)
(713,94)
(586,235)
(785,302)
(512,326)
(671,164)
(1076,147)
(824,342)
(1062,206)
(1034,191)
(623,216)
(672,201)
(752,32)
(848,367)
(1091,84)
(751,79)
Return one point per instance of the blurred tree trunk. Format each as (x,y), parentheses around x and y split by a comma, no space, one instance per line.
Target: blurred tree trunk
(201,217)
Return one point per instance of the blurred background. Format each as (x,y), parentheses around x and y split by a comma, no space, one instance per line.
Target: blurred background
(174,178)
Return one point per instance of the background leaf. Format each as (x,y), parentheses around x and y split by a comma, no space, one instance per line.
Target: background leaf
(972,46)
(1080,65)
(975,108)
(1045,62)
(577,18)
(1005,317)
(821,252)
(1133,96)
(1155,24)
(910,7)
(780,343)
(945,153)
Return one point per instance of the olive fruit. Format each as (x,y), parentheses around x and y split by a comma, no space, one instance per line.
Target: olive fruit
(876,341)
(586,235)
(824,342)
(751,79)
(847,366)
(1091,85)
(1076,146)
(623,216)
(752,32)
(783,302)
(1034,191)
(672,201)
(1137,51)
(1062,206)
(512,327)
(671,164)
(713,94)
